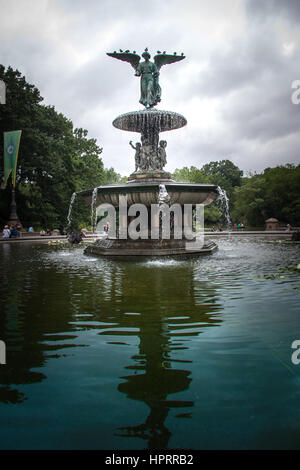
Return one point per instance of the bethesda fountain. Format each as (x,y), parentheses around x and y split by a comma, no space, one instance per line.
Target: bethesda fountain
(150,185)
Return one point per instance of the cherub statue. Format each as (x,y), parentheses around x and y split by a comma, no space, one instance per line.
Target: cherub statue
(138,154)
(148,71)
(162,155)
(147,152)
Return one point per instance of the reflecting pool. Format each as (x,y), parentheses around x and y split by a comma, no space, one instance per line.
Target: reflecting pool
(190,354)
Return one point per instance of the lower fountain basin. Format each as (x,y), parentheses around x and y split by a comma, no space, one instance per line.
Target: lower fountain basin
(116,248)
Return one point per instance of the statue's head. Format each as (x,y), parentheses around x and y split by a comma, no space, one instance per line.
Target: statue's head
(146,55)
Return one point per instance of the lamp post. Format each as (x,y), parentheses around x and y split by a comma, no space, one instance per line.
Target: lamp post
(13,218)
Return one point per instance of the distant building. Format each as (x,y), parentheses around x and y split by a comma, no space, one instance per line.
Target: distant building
(272,224)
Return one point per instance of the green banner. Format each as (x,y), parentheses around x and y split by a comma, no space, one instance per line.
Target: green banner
(11,150)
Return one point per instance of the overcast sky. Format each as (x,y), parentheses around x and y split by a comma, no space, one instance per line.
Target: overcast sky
(234,87)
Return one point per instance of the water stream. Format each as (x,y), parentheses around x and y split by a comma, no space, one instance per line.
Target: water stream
(163,197)
(222,202)
(93,209)
(69,217)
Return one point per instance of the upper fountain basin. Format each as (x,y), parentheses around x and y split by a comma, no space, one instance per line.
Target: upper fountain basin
(159,120)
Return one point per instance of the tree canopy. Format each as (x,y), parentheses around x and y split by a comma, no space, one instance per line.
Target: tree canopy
(221,173)
(252,199)
(274,193)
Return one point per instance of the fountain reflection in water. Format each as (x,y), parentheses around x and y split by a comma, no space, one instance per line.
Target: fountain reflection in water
(171,345)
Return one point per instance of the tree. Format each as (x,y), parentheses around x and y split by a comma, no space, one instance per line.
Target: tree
(224,174)
(249,205)
(274,193)
(111,177)
(191,175)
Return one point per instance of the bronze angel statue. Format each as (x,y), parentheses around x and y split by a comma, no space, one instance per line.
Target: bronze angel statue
(148,71)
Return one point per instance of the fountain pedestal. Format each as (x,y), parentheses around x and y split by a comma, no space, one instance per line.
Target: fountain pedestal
(150,176)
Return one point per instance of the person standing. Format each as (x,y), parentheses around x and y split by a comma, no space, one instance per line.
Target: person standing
(14,232)
(6,232)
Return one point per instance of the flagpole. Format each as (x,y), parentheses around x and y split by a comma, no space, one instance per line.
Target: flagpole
(11,150)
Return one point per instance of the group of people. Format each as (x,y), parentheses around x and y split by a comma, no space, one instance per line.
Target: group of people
(45,232)
(12,231)
(239,226)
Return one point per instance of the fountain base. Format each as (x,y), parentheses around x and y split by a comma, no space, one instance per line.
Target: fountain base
(118,248)
(151,194)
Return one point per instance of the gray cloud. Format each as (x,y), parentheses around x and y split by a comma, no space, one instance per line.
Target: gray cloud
(270,9)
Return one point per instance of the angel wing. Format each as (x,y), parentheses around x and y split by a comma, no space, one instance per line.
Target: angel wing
(164,59)
(131,57)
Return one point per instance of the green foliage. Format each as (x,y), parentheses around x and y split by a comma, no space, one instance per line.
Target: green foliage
(191,175)
(111,177)
(212,216)
(54,161)
(275,193)
(223,173)
(253,199)
(249,202)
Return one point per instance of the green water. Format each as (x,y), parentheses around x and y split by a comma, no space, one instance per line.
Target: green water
(191,354)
